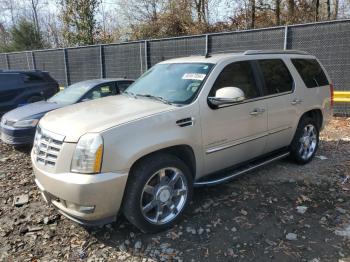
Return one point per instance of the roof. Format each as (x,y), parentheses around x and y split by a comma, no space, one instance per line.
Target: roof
(93,82)
(20,71)
(218,57)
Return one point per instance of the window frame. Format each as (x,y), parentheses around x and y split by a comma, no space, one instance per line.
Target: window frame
(263,81)
(256,79)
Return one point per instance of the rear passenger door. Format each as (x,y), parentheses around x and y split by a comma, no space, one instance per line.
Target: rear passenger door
(279,94)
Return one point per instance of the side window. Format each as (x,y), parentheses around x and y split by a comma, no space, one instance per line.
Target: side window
(311,72)
(28,77)
(99,92)
(276,75)
(123,85)
(238,74)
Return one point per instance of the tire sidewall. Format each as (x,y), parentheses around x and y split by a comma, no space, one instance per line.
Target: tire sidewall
(295,146)
(140,175)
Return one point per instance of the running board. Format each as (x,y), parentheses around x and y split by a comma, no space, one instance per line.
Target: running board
(241,171)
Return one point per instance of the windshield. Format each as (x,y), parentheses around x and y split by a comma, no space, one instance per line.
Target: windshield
(71,94)
(174,83)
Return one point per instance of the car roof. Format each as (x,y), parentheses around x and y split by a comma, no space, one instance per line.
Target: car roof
(253,54)
(94,82)
(11,71)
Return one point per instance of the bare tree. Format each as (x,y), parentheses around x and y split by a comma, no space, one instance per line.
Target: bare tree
(34,6)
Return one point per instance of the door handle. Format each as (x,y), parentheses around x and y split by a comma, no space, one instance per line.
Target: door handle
(296,101)
(257,111)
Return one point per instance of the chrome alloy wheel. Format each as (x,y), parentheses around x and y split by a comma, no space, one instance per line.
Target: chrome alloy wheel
(308,142)
(164,196)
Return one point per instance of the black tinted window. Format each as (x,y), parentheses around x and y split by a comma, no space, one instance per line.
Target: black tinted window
(239,74)
(32,77)
(311,72)
(276,75)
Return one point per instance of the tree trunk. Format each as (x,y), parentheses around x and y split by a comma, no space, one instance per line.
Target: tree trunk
(328,10)
(336,7)
(291,11)
(317,7)
(278,12)
(35,15)
(252,14)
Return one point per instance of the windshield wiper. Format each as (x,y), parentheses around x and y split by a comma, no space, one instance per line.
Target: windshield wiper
(130,93)
(158,98)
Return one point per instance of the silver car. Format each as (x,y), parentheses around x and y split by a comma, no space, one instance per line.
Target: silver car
(186,122)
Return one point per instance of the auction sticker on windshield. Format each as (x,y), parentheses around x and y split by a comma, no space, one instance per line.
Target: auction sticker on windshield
(193,76)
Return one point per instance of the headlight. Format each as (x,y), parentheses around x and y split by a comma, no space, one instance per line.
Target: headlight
(26,123)
(88,153)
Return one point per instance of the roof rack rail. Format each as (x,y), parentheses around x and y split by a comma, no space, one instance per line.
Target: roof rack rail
(263,52)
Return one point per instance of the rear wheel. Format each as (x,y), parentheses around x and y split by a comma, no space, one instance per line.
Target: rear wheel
(158,192)
(305,141)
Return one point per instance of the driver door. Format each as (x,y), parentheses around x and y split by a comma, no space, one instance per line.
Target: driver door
(237,132)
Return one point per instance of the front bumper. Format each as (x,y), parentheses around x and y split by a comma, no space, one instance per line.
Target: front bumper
(85,199)
(17,136)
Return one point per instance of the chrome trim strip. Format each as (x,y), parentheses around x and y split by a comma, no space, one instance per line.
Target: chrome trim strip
(279,130)
(221,180)
(216,149)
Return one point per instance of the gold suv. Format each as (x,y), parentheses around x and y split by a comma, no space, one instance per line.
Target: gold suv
(186,122)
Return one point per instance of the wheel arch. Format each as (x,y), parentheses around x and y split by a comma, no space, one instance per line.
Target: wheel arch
(183,152)
(315,114)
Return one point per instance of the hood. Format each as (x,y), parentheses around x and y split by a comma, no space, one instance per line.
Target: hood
(34,110)
(98,115)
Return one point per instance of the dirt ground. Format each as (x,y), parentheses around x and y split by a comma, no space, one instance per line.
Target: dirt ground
(282,212)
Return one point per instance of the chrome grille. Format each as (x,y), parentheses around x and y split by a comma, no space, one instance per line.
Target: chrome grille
(47,147)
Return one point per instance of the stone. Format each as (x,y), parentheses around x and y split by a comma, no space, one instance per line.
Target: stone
(20,200)
(291,236)
(301,209)
(138,245)
(341,210)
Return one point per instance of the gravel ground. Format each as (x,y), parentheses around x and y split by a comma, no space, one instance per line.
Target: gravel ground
(282,212)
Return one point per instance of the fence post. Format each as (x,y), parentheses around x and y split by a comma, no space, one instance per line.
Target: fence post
(285,44)
(206,44)
(102,62)
(7,61)
(28,65)
(65,58)
(33,61)
(141,59)
(146,55)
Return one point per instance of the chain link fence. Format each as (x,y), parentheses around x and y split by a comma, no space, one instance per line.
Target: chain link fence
(329,41)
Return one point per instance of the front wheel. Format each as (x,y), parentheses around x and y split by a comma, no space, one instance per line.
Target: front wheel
(305,141)
(158,192)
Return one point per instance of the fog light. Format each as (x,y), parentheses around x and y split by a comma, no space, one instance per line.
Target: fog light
(79,208)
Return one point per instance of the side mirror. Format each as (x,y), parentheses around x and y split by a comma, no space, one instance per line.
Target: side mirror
(227,95)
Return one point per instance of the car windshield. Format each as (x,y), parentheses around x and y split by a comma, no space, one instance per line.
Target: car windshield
(176,83)
(71,94)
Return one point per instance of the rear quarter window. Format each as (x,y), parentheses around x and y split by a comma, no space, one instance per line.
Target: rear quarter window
(276,75)
(311,72)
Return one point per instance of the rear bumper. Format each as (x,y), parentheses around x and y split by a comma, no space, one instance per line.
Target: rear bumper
(86,199)
(20,136)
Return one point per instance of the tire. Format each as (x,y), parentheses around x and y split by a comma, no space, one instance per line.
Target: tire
(34,99)
(154,200)
(305,142)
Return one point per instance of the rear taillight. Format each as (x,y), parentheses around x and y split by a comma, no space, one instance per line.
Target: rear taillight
(331,89)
